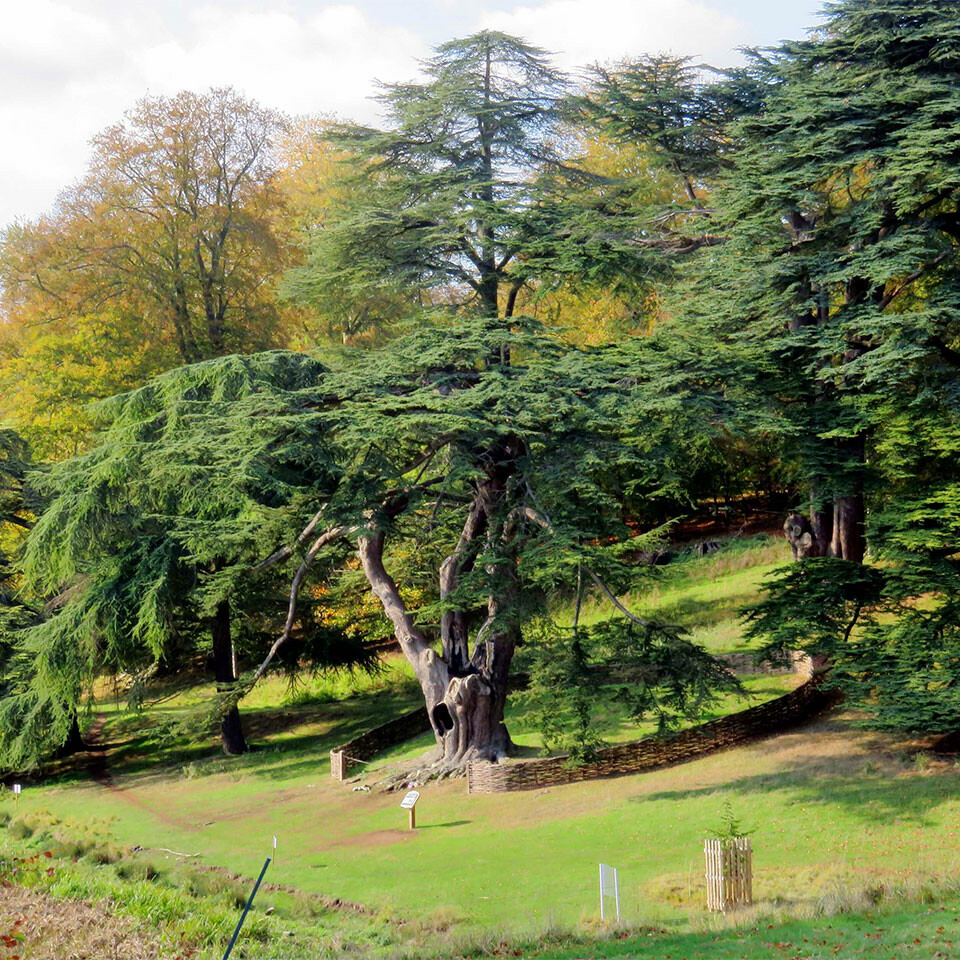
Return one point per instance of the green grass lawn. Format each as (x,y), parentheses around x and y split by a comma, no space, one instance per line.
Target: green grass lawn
(704,594)
(828,805)
(840,818)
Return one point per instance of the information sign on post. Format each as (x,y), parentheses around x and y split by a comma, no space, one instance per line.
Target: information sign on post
(609,887)
(409,802)
(17,788)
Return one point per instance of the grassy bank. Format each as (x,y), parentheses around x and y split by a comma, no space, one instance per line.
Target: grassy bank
(841,819)
(68,890)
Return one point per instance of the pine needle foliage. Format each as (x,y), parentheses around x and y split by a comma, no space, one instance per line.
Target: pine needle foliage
(855,152)
(195,477)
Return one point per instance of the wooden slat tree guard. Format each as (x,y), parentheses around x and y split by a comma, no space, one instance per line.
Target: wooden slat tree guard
(729,873)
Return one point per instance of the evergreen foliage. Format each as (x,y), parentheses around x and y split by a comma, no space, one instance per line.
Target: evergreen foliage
(853,151)
(196,475)
(799,254)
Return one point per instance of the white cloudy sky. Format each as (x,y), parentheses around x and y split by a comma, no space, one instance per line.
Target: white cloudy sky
(70,67)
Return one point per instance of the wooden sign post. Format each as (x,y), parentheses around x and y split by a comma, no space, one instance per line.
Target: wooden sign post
(409,802)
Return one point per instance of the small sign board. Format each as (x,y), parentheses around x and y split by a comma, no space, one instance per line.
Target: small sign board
(609,887)
(410,800)
(17,788)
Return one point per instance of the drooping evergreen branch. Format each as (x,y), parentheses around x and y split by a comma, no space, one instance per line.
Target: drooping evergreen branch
(328,536)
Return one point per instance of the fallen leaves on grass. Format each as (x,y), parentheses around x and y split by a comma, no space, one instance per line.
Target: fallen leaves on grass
(43,928)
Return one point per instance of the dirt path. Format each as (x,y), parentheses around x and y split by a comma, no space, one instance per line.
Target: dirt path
(98,766)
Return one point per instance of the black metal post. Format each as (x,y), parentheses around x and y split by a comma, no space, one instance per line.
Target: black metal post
(246,910)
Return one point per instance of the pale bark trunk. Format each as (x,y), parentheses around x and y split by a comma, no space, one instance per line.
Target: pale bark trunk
(465,707)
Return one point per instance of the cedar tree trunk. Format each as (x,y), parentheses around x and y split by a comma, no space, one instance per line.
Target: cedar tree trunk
(465,693)
(231,730)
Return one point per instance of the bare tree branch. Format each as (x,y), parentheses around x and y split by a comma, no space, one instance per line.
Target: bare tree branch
(916,275)
(326,537)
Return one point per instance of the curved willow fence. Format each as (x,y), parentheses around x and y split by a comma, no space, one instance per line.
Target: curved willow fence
(808,700)
(367,745)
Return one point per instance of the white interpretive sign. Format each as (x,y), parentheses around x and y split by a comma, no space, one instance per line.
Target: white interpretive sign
(409,803)
(609,887)
(17,788)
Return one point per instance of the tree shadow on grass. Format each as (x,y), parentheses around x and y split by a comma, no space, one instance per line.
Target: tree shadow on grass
(141,759)
(876,784)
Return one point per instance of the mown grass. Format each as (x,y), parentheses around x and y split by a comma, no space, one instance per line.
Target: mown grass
(703,594)
(841,820)
(827,805)
(190,912)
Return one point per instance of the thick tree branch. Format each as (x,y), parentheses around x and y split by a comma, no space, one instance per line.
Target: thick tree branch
(284,552)
(326,537)
(19,521)
(412,641)
(916,275)
(453,623)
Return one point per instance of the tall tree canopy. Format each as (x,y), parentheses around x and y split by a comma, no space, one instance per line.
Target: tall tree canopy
(784,236)
(153,539)
(165,252)
(467,195)
(848,191)
(482,484)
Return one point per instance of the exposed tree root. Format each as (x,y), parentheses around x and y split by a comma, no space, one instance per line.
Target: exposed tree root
(425,769)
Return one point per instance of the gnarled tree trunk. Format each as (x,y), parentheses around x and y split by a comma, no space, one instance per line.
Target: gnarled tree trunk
(465,704)
(465,693)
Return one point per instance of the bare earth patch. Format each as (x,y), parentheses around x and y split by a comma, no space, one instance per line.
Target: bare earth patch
(70,929)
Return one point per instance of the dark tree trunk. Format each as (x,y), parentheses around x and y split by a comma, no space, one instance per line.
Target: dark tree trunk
(231,729)
(821,525)
(848,519)
(74,741)
(849,512)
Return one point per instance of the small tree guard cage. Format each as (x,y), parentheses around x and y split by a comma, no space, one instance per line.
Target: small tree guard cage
(729,873)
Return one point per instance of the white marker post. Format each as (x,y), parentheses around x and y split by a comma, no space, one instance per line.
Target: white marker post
(17,789)
(409,802)
(609,887)
(274,849)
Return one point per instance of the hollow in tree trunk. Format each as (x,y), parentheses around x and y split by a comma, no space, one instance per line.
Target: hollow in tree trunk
(231,729)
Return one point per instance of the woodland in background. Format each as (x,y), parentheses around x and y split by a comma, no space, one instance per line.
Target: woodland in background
(473,362)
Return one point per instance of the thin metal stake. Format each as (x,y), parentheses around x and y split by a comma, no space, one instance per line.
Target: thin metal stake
(602,917)
(246,910)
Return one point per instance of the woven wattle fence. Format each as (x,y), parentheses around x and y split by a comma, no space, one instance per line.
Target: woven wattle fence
(369,744)
(394,732)
(774,716)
